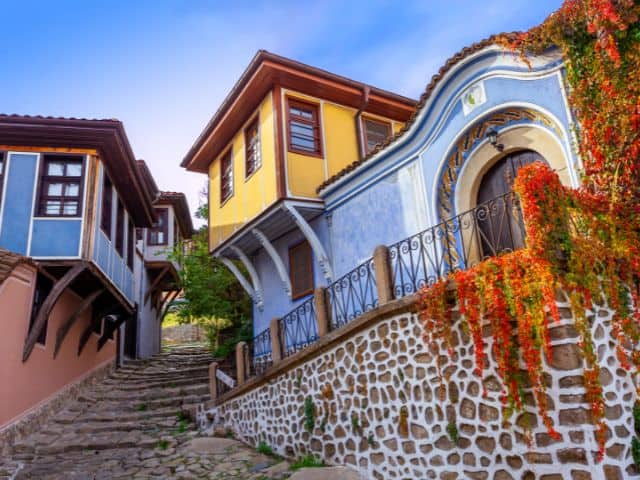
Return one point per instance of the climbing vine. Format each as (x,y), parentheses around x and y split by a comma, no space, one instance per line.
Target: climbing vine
(585,242)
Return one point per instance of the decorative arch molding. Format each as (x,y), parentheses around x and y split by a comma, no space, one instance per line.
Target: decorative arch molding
(474,136)
(515,138)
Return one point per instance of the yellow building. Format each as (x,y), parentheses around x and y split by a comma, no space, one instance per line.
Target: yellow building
(283,130)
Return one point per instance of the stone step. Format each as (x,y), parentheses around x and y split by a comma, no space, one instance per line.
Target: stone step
(110,385)
(131,416)
(155,393)
(159,375)
(100,441)
(129,405)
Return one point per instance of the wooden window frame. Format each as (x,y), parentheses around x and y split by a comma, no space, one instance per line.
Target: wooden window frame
(130,243)
(164,230)
(106,208)
(295,295)
(119,240)
(316,123)
(225,196)
(365,135)
(64,180)
(256,151)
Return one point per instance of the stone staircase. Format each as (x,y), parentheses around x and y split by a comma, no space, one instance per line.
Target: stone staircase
(133,426)
(143,405)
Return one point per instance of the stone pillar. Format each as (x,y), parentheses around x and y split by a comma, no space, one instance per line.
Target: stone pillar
(276,346)
(213,386)
(384,281)
(241,368)
(322,312)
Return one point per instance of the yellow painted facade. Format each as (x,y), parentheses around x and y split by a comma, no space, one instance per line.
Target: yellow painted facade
(251,195)
(303,173)
(339,145)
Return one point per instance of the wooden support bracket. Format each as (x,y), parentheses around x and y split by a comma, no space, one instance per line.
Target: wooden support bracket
(64,328)
(167,303)
(109,329)
(86,335)
(48,304)
(155,284)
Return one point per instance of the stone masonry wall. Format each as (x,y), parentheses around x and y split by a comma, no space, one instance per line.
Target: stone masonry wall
(377,407)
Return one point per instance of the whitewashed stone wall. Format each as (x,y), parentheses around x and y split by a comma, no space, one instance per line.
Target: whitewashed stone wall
(377,407)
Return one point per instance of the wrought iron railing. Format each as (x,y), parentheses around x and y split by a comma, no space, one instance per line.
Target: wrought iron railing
(258,353)
(458,243)
(352,295)
(298,328)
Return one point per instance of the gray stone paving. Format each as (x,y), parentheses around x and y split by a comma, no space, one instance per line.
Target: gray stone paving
(133,426)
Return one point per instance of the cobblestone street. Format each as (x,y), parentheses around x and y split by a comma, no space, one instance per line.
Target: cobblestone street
(132,426)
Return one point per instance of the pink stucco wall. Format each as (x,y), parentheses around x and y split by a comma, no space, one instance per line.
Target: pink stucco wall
(24,386)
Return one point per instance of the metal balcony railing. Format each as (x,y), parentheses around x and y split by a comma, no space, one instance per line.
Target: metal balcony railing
(298,328)
(258,353)
(489,229)
(352,295)
(458,243)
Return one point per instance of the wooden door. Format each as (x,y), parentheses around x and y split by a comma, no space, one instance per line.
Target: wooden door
(499,222)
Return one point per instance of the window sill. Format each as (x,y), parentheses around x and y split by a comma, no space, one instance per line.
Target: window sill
(306,153)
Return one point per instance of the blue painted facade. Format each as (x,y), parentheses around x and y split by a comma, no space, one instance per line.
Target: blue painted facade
(17,205)
(414,183)
(105,255)
(277,302)
(51,238)
(21,230)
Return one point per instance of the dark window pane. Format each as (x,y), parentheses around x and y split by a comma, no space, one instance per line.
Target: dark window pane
(70,208)
(120,228)
(130,241)
(301,269)
(376,133)
(226,176)
(303,127)
(107,199)
(252,148)
(74,170)
(158,234)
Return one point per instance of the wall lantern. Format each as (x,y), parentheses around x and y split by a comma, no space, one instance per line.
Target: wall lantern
(492,135)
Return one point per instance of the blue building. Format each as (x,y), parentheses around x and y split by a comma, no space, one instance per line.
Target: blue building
(436,191)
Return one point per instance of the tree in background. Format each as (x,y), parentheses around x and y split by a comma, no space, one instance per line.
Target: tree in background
(212,297)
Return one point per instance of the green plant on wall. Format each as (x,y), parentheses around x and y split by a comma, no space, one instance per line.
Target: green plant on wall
(452,431)
(309,414)
(635,442)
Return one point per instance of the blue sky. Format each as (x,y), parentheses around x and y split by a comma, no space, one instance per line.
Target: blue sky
(164,66)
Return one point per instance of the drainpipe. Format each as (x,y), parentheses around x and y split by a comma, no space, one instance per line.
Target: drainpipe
(363,105)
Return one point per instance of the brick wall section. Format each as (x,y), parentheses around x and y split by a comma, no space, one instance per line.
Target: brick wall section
(376,398)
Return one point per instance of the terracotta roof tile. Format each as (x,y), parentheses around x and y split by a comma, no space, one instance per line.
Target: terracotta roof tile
(449,64)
